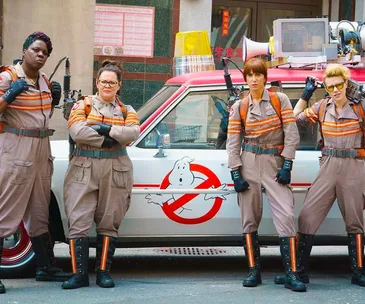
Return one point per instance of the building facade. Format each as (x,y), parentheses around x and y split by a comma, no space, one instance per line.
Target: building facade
(71,26)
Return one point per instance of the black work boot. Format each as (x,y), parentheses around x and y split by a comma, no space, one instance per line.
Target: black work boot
(46,270)
(105,248)
(252,251)
(2,287)
(288,254)
(304,247)
(79,249)
(356,253)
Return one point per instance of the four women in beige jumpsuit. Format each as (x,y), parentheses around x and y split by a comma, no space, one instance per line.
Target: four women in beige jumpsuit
(99,180)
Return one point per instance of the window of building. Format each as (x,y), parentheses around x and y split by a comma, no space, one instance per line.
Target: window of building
(346,10)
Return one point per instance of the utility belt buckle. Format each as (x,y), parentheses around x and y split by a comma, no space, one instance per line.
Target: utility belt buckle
(340,153)
(43,133)
(256,149)
(20,132)
(97,154)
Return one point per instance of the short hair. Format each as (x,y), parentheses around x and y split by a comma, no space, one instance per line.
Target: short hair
(255,65)
(38,36)
(111,66)
(335,70)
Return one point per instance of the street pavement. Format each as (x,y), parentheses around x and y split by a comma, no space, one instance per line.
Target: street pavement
(163,275)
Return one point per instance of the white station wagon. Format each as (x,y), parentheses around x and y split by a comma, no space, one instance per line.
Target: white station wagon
(183,195)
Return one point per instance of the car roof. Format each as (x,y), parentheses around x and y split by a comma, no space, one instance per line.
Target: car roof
(284,74)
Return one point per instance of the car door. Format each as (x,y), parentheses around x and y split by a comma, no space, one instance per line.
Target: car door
(196,159)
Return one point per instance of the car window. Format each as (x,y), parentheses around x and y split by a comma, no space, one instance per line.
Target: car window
(309,134)
(194,123)
(155,102)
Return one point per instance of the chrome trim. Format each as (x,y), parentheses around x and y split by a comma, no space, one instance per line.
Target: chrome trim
(199,191)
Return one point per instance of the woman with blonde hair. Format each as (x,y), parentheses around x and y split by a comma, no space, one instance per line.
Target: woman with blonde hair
(342,169)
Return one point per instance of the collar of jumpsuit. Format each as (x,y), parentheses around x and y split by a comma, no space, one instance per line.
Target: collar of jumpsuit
(43,86)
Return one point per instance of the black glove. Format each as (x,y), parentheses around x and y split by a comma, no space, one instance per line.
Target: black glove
(310,87)
(15,89)
(284,175)
(56,91)
(108,142)
(240,184)
(102,129)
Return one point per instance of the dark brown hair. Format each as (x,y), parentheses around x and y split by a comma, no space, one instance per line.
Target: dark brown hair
(112,66)
(255,65)
(38,36)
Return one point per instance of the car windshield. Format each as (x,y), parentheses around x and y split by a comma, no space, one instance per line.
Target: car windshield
(155,102)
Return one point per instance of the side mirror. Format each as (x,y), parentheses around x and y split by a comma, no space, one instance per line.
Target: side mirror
(163,142)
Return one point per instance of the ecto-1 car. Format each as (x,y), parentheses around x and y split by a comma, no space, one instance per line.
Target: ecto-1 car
(183,194)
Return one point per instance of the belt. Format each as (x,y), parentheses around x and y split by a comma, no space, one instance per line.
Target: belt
(99,154)
(41,133)
(262,149)
(344,153)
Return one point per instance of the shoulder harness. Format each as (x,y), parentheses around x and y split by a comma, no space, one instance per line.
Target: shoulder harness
(14,75)
(274,100)
(356,107)
(88,103)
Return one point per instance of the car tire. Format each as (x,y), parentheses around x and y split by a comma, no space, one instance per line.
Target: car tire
(17,257)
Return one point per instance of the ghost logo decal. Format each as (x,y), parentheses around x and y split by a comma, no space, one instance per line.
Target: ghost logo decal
(189,208)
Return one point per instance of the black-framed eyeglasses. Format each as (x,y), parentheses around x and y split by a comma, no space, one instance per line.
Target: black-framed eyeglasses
(111,84)
(331,88)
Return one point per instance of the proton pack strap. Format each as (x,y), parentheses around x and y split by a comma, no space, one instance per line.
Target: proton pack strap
(47,82)
(322,110)
(122,107)
(87,104)
(360,113)
(244,109)
(11,71)
(99,154)
(41,133)
(257,149)
(321,115)
(275,102)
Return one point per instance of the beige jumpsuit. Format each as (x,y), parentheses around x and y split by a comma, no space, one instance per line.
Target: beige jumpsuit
(339,177)
(99,189)
(26,163)
(263,128)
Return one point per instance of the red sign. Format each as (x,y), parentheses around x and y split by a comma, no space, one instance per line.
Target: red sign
(171,209)
(225,22)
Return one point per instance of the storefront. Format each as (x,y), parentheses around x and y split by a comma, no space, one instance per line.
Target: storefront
(252,19)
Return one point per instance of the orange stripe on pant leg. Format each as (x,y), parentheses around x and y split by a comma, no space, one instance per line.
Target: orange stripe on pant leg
(73,256)
(104,252)
(251,262)
(292,254)
(297,241)
(359,250)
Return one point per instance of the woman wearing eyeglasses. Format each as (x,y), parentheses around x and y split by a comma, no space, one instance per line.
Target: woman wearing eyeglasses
(99,179)
(342,169)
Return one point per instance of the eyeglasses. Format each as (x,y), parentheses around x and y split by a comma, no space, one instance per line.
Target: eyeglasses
(331,88)
(111,84)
